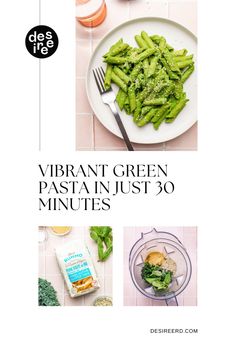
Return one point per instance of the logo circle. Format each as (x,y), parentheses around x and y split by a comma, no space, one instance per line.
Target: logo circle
(41,41)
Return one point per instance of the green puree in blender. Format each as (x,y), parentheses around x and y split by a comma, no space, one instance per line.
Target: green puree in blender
(158,270)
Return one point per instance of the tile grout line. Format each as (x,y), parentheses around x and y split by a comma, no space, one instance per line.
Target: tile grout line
(83,113)
(93,131)
(93,120)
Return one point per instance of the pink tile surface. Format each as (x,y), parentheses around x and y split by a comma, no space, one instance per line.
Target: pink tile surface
(82,104)
(41,265)
(83,53)
(140,8)
(103,139)
(155,147)
(49,269)
(184,12)
(82,32)
(186,235)
(84,128)
(186,141)
(68,301)
(119,11)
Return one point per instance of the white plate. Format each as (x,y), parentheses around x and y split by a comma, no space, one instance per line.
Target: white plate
(178,37)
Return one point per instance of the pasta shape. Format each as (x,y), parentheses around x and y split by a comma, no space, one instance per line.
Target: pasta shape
(150,78)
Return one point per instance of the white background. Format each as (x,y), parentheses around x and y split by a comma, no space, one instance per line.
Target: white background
(209,203)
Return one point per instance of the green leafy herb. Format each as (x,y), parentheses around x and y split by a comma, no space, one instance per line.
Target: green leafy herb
(102,235)
(47,295)
(147,270)
(155,275)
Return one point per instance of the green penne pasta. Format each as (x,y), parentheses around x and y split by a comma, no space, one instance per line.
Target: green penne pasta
(107,82)
(133,53)
(141,43)
(178,89)
(168,90)
(180,52)
(121,74)
(148,89)
(160,112)
(121,48)
(146,54)
(146,67)
(147,39)
(150,78)
(161,75)
(117,44)
(157,124)
(121,98)
(140,82)
(132,98)
(119,82)
(137,111)
(127,106)
(171,74)
(155,38)
(162,44)
(118,95)
(173,101)
(182,57)
(152,67)
(176,110)
(159,86)
(155,102)
(187,73)
(171,62)
(185,63)
(145,110)
(147,117)
(115,60)
(134,73)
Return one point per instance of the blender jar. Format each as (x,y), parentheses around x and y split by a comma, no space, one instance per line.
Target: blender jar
(170,246)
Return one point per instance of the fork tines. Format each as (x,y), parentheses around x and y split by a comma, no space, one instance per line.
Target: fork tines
(99,76)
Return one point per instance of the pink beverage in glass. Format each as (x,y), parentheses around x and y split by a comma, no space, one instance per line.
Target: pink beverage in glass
(91,13)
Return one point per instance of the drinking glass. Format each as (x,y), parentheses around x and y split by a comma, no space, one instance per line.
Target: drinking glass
(91,13)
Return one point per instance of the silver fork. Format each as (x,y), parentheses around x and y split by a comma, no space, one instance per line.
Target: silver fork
(108,97)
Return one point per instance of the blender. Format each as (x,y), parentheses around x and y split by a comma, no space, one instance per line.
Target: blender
(169,245)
